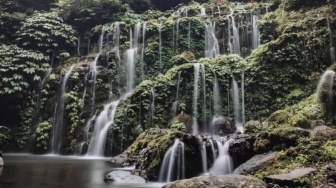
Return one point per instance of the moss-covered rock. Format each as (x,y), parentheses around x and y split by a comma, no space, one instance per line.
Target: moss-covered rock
(301,121)
(253,127)
(279,139)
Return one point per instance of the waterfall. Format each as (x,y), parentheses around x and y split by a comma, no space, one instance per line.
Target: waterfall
(235,99)
(235,35)
(243,97)
(57,128)
(203,156)
(93,69)
(204,108)
(332,48)
(195,99)
(203,13)
(189,35)
(223,164)
(152,108)
(144,26)
(255,32)
(173,164)
(177,33)
(130,63)
(216,96)
(214,156)
(160,45)
(175,104)
(325,89)
(103,122)
(211,42)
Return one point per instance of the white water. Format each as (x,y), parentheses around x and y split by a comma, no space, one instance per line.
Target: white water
(160,45)
(175,104)
(93,69)
(235,36)
(211,43)
(177,33)
(195,99)
(204,156)
(203,13)
(152,110)
(255,32)
(236,108)
(103,122)
(216,96)
(243,96)
(144,25)
(189,35)
(173,164)
(130,63)
(325,85)
(332,49)
(204,107)
(223,164)
(57,129)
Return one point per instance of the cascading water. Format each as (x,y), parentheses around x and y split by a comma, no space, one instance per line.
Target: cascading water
(173,165)
(160,44)
(152,110)
(325,89)
(195,99)
(216,96)
(94,70)
(177,32)
(332,48)
(243,96)
(255,32)
(203,13)
(103,122)
(57,128)
(235,99)
(175,104)
(130,62)
(203,156)
(189,35)
(235,37)
(211,42)
(144,27)
(204,107)
(223,164)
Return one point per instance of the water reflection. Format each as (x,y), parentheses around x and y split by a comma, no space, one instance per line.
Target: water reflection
(51,171)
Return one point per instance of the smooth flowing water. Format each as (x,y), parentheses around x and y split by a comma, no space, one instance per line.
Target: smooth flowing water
(332,48)
(173,165)
(195,98)
(255,32)
(57,128)
(236,108)
(223,164)
(103,122)
(211,42)
(52,171)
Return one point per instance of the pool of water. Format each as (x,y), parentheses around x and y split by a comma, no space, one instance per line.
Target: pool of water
(52,171)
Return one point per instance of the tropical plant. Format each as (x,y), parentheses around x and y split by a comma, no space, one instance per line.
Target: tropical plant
(47,33)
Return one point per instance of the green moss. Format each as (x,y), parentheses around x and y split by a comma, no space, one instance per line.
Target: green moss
(279,138)
(279,117)
(301,121)
(253,127)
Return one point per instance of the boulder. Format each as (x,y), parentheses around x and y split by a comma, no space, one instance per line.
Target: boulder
(223,125)
(331,171)
(119,159)
(290,179)
(123,177)
(324,133)
(241,148)
(227,181)
(255,163)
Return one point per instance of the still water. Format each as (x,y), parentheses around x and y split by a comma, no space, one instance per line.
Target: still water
(51,171)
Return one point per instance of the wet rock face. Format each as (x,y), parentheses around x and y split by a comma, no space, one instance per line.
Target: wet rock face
(123,177)
(227,181)
(254,163)
(241,148)
(290,179)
